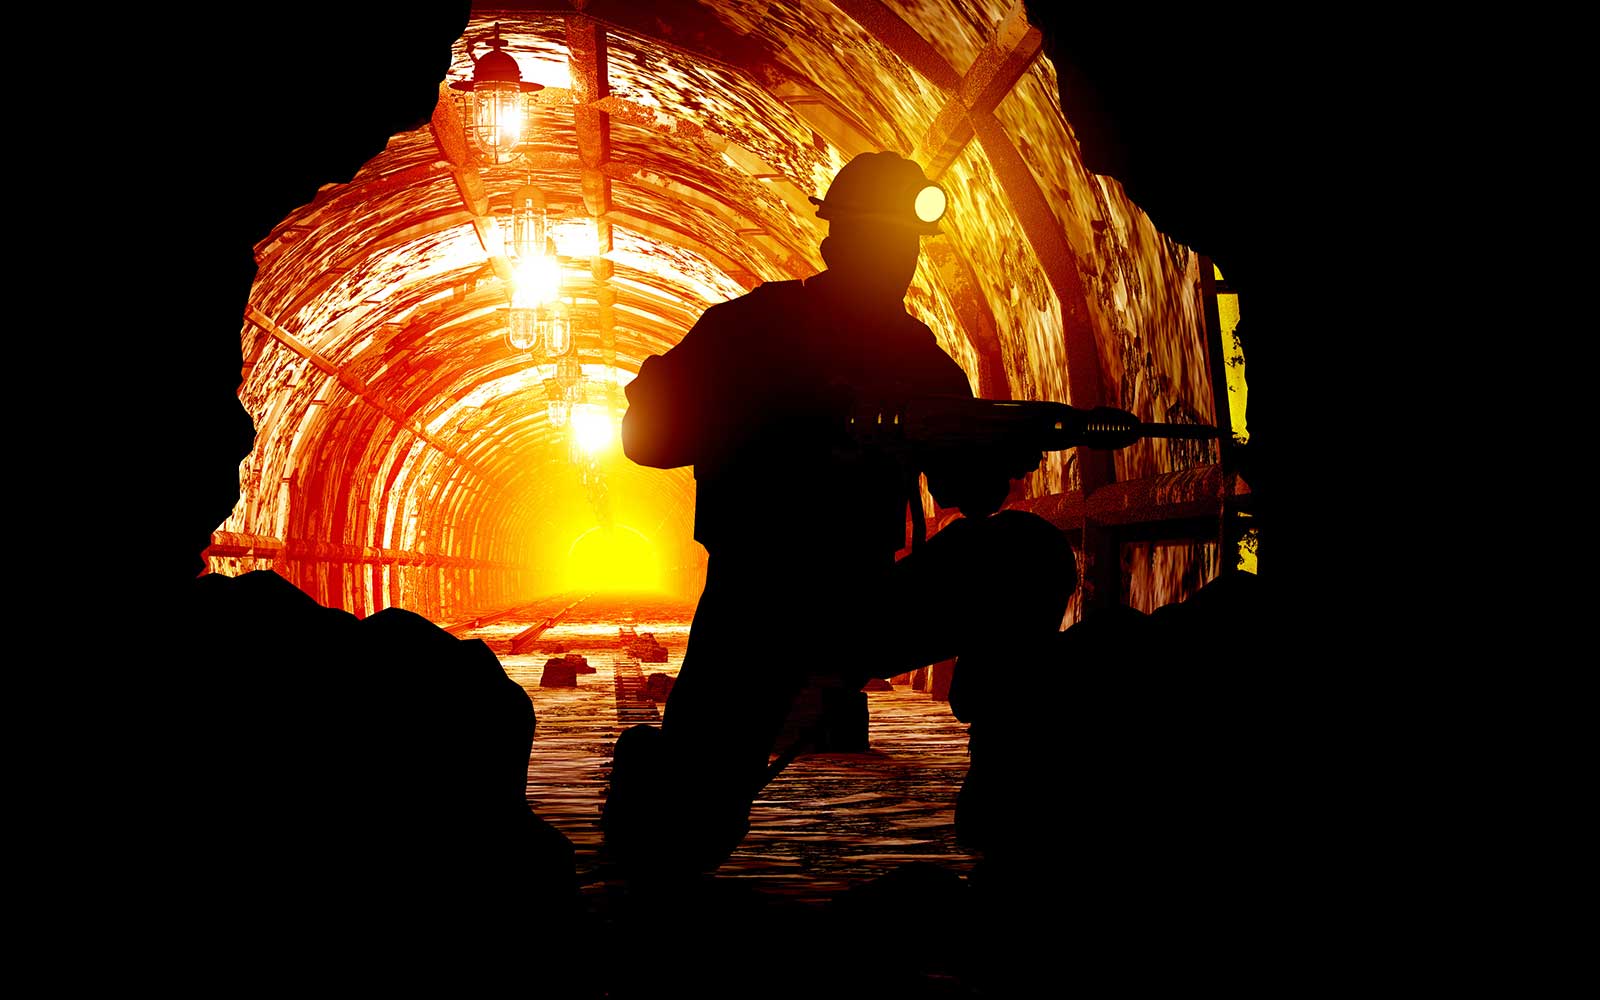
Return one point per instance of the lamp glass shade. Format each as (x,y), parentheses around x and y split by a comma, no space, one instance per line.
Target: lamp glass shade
(559,332)
(522,330)
(498,118)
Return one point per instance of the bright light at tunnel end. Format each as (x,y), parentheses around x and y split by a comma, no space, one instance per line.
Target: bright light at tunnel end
(613,559)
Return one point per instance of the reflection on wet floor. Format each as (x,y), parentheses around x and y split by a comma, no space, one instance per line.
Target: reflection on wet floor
(828,821)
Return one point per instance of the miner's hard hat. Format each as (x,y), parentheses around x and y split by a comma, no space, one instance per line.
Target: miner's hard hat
(885,189)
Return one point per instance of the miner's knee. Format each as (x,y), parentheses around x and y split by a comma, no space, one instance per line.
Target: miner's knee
(1030,559)
(671,809)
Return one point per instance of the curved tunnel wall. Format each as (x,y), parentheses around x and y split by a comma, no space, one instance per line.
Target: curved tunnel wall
(403,456)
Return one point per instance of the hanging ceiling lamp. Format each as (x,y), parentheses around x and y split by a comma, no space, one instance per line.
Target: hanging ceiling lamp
(497,108)
(563,390)
(526,229)
(537,321)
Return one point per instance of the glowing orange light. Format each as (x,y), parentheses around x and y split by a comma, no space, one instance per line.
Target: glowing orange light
(617,558)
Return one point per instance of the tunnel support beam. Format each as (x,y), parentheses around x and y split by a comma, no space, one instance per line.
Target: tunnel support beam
(1179,499)
(883,23)
(239,545)
(976,319)
(359,388)
(991,77)
(451,137)
(591,85)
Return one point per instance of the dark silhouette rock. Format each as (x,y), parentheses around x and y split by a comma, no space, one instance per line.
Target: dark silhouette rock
(658,686)
(918,894)
(362,778)
(878,684)
(580,663)
(1164,747)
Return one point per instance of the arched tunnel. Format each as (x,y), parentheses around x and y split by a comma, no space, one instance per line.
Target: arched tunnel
(406,454)
(405,451)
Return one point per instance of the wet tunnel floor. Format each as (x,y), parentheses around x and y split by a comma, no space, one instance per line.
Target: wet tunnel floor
(827,822)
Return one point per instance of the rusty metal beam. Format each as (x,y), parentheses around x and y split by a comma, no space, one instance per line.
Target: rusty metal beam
(591,87)
(888,27)
(449,132)
(986,83)
(234,545)
(1174,497)
(487,618)
(528,636)
(1101,564)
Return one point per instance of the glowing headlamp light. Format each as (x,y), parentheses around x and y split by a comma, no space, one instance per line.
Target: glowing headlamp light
(931,203)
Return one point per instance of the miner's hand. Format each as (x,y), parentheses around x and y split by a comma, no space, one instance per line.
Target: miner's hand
(976,482)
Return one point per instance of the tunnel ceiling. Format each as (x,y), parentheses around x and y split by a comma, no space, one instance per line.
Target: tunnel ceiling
(677,144)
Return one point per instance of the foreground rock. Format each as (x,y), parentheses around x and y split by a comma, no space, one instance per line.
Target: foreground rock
(343,786)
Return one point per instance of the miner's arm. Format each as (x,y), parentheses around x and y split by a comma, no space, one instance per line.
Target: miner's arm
(973,476)
(685,406)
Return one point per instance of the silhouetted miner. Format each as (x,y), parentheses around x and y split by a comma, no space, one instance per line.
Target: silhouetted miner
(802,523)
